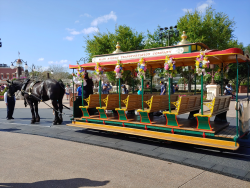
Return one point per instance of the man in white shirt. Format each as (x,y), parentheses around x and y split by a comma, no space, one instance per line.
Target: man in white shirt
(10,104)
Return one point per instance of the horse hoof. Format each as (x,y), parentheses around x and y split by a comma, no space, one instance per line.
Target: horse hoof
(37,120)
(32,122)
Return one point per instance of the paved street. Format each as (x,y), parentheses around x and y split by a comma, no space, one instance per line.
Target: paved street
(33,157)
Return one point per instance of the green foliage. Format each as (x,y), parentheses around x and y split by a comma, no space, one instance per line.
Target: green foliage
(214,29)
(233,72)
(104,43)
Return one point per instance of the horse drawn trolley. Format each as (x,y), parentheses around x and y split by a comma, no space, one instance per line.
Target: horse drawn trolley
(197,128)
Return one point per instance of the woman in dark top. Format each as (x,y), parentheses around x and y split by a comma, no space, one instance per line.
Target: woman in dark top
(88,88)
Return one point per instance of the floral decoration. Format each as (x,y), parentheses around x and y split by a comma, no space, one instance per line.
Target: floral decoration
(169,67)
(79,76)
(201,63)
(98,72)
(141,68)
(118,69)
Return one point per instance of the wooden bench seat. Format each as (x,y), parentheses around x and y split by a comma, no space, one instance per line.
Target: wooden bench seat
(93,102)
(111,103)
(185,104)
(218,107)
(155,104)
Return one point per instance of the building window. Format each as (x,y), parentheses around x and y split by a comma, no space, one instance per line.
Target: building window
(2,76)
(8,77)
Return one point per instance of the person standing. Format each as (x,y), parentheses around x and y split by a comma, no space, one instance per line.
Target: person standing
(139,91)
(79,91)
(163,88)
(10,104)
(67,92)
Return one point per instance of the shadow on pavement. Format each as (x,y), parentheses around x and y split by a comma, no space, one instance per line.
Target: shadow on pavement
(9,130)
(72,183)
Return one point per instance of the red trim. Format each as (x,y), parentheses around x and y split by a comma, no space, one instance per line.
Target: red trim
(185,55)
(123,124)
(172,131)
(204,136)
(176,120)
(103,122)
(146,127)
(86,120)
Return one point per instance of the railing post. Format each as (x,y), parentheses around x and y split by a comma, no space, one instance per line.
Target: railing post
(100,92)
(237,85)
(151,77)
(117,86)
(82,92)
(195,84)
(169,93)
(73,94)
(202,94)
(120,93)
(221,84)
(142,85)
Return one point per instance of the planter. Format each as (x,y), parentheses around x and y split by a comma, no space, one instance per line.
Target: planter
(1,98)
(243,89)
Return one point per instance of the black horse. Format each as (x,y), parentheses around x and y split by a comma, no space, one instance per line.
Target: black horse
(36,91)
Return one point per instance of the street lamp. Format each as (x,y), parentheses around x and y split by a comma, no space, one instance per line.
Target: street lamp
(18,63)
(83,59)
(168,33)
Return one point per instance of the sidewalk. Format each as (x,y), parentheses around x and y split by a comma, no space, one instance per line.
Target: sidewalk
(36,161)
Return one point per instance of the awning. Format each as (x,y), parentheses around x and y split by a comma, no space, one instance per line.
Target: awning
(185,59)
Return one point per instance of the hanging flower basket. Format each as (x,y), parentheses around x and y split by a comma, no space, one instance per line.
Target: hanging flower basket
(201,63)
(141,69)
(169,67)
(118,69)
(78,78)
(98,73)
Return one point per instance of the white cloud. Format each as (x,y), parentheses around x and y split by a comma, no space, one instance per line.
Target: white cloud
(202,7)
(40,59)
(77,21)
(68,29)
(90,30)
(187,10)
(75,32)
(63,62)
(104,19)
(86,14)
(69,38)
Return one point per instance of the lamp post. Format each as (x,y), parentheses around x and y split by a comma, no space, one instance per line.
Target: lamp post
(19,63)
(168,33)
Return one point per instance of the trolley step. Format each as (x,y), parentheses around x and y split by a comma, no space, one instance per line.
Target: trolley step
(223,144)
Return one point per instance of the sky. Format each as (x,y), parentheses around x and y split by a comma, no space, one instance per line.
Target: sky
(53,32)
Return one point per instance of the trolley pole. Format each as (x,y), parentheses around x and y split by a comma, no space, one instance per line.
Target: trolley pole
(73,95)
(195,84)
(151,77)
(142,85)
(237,118)
(202,94)
(221,85)
(117,86)
(100,92)
(120,93)
(169,93)
(82,92)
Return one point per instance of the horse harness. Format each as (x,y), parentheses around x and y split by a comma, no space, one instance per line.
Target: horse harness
(30,89)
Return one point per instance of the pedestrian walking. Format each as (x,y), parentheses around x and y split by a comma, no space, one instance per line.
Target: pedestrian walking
(10,104)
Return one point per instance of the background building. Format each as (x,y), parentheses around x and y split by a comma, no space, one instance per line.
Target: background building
(6,73)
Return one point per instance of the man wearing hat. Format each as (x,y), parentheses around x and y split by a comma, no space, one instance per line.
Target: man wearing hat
(163,88)
(10,104)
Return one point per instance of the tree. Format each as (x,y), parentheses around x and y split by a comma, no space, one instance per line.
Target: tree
(104,43)
(214,29)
